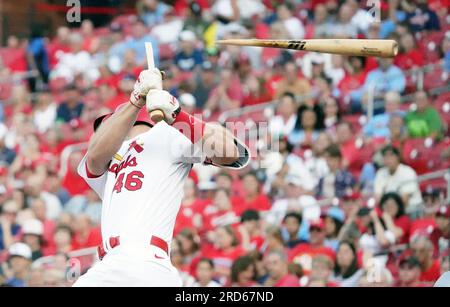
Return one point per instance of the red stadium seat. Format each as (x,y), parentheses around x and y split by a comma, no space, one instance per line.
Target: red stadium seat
(436,78)
(423,155)
(442,104)
(430,45)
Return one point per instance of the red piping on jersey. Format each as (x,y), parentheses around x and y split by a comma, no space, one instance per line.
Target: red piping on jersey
(89,174)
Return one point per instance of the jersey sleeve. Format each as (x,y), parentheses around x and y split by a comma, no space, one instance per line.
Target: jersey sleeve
(96,183)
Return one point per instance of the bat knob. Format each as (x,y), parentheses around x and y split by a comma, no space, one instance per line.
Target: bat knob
(156,115)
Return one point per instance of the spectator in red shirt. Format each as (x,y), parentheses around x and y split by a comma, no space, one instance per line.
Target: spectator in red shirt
(394,217)
(427,223)
(253,198)
(225,250)
(441,234)
(409,56)
(250,230)
(85,235)
(255,92)
(409,273)
(63,239)
(322,268)
(189,214)
(305,252)
(243,272)
(219,213)
(277,268)
(423,249)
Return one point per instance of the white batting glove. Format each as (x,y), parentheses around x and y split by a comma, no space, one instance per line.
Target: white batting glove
(165,102)
(149,79)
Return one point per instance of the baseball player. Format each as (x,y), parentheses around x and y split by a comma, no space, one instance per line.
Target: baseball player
(138,170)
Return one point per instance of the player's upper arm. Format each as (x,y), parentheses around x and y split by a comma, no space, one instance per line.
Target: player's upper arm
(96,183)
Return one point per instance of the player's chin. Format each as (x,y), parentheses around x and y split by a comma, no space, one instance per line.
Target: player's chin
(224,161)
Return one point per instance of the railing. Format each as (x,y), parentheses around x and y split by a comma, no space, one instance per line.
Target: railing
(49,260)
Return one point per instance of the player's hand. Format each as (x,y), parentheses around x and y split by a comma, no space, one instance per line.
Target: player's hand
(149,79)
(165,102)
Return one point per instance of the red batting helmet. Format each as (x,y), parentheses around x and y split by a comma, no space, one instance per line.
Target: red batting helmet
(142,119)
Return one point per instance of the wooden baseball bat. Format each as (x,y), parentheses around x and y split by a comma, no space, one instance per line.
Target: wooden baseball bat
(382,48)
(155,115)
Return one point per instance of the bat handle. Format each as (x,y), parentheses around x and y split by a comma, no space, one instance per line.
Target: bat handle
(156,115)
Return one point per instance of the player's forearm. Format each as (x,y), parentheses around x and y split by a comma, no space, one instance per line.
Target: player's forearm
(219,144)
(107,140)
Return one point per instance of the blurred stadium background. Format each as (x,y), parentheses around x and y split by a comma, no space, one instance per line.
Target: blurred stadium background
(356,193)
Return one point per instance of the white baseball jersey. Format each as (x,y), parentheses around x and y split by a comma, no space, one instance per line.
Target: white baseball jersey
(142,189)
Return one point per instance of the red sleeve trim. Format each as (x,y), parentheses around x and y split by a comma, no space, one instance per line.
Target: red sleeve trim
(89,174)
(192,127)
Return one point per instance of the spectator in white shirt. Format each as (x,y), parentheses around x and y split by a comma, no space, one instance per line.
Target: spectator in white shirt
(205,272)
(397,177)
(284,122)
(45,112)
(292,24)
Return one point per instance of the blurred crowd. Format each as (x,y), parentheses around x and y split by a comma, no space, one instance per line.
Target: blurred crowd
(336,199)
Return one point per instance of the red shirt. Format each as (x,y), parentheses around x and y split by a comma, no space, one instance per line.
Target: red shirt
(93,239)
(259,203)
(421,225)
(435,237)
(433,273)
(186,214)
(74,183)
(404,223)
(221,257)
(409,59)
(288,281)
(304,253)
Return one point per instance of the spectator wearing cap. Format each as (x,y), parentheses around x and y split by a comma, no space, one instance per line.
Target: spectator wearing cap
(397,177)
(205,82)
(321,272)
(205,273)
(283,123)
(72,107)
(334,220)
(378,126)
(189,57)
(32,231)
(187,102)
(7,155)
(250,231)
(194,21)
(304,253)
(151,11)
(19,261)
(277,269)
(9,229)
(425,121)
(243,272)
(292,82)
(409,273)
(386,78)
(422,248)
(253,198)
(440,236)
(338,180)
(394,218)
(346,270)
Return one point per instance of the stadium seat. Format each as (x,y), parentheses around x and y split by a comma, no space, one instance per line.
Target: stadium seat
(423,155)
